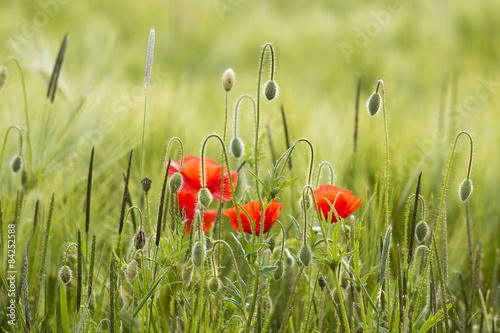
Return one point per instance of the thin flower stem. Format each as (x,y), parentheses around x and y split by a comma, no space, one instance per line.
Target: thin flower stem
(469,235)
(236,108)
(380,83)
(330,168)
(341,301)
(283,241)
(5,144)
(290,299)
(181,147)
(248,323)
(143,131)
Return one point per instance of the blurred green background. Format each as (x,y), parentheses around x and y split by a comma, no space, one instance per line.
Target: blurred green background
(438,59)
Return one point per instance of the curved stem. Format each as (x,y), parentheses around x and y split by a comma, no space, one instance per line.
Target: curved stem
(181,146)
(236,108)
(283,240)
(288,153)
(330,168)
(67,251)
(5,144)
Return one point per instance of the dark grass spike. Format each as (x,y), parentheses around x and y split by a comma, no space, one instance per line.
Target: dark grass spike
(287,138)
(162,201)
(400,288)
(130,203)
(112,291)
(51,93)
(125,194)
(464,294)
(79,272)
(24,282)
(356,116)
(271,145)
(35,218)
(91,268)
(89,192)
(411,235)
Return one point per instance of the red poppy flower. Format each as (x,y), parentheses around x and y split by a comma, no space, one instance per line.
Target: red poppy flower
(187,203)
(345,202)
(191,176)
(253,208)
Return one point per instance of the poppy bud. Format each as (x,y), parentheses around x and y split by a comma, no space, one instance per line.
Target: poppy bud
(138,258)
(140,240)
(236,147)
(3,77)
(214,284)
(272,244)
(322,282)
(16,164)
(65,274)
(305,202)
(290,261)
(305,254)
(24,178)
(465,190)
(131,271)
(421,231)
(373,104)
(278,273)
(228,79)
(421,249)
(175,183)
(197,254)
(187,272)
(271,90)
(205,197)
(146,184)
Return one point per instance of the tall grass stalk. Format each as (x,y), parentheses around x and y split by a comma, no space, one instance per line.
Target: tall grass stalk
(88,198)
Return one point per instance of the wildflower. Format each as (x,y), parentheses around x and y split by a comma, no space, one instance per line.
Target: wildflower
(187,203)
(191,175)
(329,195)
(253,209)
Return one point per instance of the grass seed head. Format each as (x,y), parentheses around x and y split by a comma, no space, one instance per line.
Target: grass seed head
(373,104)
(465,190)
(228,79)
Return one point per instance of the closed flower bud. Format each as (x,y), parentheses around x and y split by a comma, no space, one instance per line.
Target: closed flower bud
(421,250)
(322,282)
(65,274)
(175,183)
(305,202)
(373,104)
(228,79)
(289,260)
(205,197)
(138,258)
(131,271)
(197,254)
(24,178)
(278,273)
(187,272)
(305,254)
(214,284)
(16,164)
(271,90)
(236,147)
(465,190)
(146,184)
(140,240)
(3,77)
(421,231)
(272,244)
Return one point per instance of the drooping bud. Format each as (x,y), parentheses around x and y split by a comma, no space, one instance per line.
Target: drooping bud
(373,104)
(4,74)
(131,271)
(305,202)
(271,90)
(236,147)
(465,190)
(140,240)
(205,197)
(421,231)
(146,184)
(278,273)
(421,250)
(289,260)
(272,244)
(197,254)
(228,79)
(305,254)
(214,284)
(175,183)
(187,272)
(16,164)
(65,274)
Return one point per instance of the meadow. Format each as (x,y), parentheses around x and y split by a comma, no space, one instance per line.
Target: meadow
(395,101)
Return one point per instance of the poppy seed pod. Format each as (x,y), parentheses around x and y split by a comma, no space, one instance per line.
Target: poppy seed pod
(16,164)
(4,73)
(146,184)
(421,231)
(236,147)
(271,90)
(65,274)
(140,240)
(373,104)
(465,190)
(131,271)
(305,255)
(278,273)
(175,183)
(205,197)
(214,284)
(228,79)
(197,254)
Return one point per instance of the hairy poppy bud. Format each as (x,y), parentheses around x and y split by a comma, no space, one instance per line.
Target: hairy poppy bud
(290,261)
(421,250)
(305,254)
(187,272)
(322,282)
(214,284)
(465,190)
(305,202)
(197,254)
(278,273)
(140,240)
(146,184)
(16,164)
(271,90)
(421,231)
(4,73)
(228,79)
(175,183)
(65,274)
(373,104)
(236,147)
(272,244)
(205,197)
(131,271)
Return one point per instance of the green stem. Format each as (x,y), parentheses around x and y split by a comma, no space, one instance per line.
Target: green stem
(330,168)
(380,83)
(181,146)
(248,323)
(342,308)
(235,122)
(290,299)
(143,131)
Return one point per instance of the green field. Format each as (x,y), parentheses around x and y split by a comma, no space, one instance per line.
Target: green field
(437,59)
